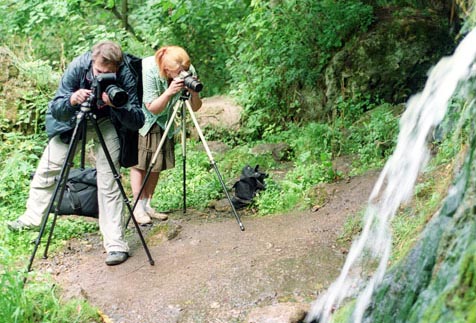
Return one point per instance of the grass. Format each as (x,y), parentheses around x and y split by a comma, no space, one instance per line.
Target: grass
(38,300)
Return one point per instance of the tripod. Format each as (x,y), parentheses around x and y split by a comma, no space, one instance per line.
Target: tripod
(79,130)
(184,106)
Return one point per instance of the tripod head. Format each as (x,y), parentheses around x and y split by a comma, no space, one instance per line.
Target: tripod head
(87,105)
(104,83)
(185,95)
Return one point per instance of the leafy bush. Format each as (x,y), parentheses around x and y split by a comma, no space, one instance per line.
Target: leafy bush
(20,154)
(29,86)
(57,31)
(283,47)
(293,191)
(36,302)
(201,182)
(199,27)
(372,138)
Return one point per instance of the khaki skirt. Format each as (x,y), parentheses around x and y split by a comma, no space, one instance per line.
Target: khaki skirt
(148,145)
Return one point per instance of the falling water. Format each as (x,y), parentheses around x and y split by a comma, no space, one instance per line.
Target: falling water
(395,185)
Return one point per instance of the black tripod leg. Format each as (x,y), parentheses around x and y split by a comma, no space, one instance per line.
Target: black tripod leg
(61,184)
(212,162)
(77,135)
(117,178)
(184,159)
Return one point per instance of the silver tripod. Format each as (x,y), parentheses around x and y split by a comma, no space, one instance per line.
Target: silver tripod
(184,107)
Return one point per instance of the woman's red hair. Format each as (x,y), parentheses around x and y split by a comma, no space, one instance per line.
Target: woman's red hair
(171,58)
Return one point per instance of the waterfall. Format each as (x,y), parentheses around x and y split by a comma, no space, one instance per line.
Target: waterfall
(367,260)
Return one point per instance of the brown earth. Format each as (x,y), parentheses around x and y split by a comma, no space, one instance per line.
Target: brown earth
(208,270)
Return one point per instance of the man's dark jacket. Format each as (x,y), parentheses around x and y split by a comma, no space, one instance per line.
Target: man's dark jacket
(61,115)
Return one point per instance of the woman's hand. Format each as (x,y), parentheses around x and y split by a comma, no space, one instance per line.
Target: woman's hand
(175,86)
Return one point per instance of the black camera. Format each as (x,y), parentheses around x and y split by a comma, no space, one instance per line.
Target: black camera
(106,82)
(190,81)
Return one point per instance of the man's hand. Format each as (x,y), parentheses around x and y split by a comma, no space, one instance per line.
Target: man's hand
(79,96)
(106,100)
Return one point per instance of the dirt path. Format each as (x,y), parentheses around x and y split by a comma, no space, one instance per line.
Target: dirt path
(211,271)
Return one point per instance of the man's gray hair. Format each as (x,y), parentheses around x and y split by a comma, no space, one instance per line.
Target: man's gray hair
(107,53)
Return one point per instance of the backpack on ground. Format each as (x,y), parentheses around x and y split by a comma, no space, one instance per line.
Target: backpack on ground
(250,183)
(80,195)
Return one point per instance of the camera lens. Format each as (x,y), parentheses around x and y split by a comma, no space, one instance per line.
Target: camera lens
(193,84)
(117,95)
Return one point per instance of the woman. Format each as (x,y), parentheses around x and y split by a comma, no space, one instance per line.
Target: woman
(162,89)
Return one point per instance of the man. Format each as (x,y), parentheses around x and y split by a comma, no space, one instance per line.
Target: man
(73,90)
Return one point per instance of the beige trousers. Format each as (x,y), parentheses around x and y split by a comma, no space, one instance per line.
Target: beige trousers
(110,200)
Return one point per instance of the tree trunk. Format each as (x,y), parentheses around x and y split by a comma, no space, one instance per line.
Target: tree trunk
(124,14)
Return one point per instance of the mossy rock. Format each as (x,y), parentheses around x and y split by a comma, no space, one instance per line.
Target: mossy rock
(392,60)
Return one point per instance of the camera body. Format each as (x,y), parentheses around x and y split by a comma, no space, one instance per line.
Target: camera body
(106,82)
(190,82)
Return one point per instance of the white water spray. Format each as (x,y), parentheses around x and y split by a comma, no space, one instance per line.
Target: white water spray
(395,184)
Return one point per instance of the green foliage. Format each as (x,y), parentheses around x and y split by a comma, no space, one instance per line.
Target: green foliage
(36,302)
(68,228)
(372,138)
(352,227)
(282,48)
(199,27)
(294,190)
(276,199)
(24,100)
(234,160)
(20,154)
(253,49)
(313,140)
(452,133)
(312,165)
(201,182)
(230,137)
(58,28)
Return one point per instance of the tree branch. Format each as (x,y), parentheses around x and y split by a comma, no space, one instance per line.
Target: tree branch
(127,26)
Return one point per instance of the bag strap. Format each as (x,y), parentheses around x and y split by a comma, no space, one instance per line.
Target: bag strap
(74,200)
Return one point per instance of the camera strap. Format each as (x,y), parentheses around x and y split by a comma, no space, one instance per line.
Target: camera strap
(89,76)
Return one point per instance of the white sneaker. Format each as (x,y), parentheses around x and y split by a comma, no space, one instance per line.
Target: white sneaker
(142,217)
(157,215)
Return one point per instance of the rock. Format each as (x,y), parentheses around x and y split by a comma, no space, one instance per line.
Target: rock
(279,313)
(321,194)
(173,230)
(279,151)
(391,60)
(215,147)
(222,205)
(218,112)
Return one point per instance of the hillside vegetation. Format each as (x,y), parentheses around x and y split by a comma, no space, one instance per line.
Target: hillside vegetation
(327,78)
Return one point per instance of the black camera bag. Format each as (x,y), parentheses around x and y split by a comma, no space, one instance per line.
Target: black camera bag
(80,195)
(250,183)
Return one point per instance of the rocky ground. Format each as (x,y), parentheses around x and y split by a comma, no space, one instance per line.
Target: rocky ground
(207,270)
